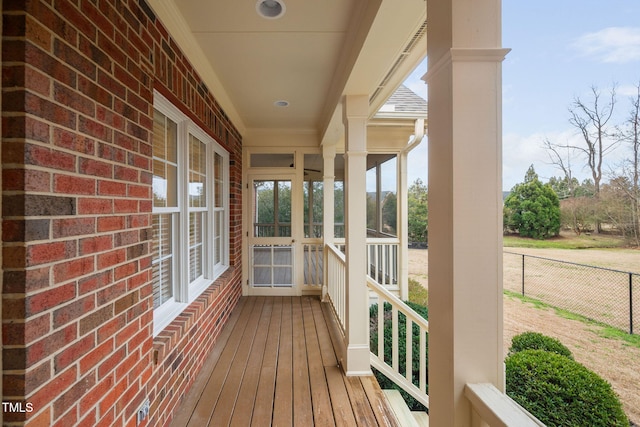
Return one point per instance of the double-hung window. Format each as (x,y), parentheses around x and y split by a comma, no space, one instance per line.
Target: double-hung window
(190,211)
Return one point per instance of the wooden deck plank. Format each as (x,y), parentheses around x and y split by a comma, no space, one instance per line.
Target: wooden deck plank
(342,411)
(207,403)
(302,412)
(322,410)
(360,402)
(244,405)
(282,406)
(273,365)
(226,402)
(381,409)
(263,407)
(324,338)
(400,408)
(190,401)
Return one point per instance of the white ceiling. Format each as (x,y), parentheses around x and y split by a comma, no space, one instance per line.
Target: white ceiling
(316,52)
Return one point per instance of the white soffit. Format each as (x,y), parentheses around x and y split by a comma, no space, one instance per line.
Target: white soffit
(312,55)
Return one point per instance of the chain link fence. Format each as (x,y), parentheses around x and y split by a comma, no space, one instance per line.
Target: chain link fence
(608,296)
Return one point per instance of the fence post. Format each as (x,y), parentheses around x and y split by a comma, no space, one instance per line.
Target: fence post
(522,274)
(631,303)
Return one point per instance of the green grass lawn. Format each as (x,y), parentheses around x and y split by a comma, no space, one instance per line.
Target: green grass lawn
(566,241)
(601,329)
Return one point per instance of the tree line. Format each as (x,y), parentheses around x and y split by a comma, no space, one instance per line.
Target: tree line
(607,201)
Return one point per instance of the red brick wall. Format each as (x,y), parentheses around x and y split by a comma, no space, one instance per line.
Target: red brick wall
(77,104)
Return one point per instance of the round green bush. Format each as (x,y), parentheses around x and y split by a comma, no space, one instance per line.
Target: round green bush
(384,382)
(537,341)
(561,392)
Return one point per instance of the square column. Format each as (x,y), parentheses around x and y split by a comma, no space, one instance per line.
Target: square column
(403,226)
(356,111)
(328,202)
(465,204)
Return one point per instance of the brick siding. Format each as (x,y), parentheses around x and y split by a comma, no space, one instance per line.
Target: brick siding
(77,117)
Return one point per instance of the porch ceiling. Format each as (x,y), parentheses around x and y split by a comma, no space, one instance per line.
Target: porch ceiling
(311,56)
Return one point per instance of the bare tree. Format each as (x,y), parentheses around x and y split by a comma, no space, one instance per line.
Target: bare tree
(631,168)
(562,162)
(571,210)
(592,121)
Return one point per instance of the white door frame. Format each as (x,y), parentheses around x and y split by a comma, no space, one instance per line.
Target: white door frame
(294,240)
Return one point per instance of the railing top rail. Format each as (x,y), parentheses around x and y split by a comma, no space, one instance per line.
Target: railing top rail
(497,409)
(337,252)
(380,234)
(312,241)
(370,240)
(575,263)
(380,240)
(408,311)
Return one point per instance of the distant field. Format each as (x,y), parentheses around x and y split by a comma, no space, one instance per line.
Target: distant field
(612,357)
(566,240)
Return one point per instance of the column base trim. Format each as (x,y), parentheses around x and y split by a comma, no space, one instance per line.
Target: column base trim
(357,361)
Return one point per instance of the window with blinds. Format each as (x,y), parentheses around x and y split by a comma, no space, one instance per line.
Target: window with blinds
(197,206)
(162,265)
(218,209)
(165,205)
(190,211)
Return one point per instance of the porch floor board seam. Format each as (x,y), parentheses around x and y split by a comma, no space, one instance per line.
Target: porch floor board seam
(243,410)
(228,399)
(190,401)
(263,407)
(209,399)
(322,411)
(278,366)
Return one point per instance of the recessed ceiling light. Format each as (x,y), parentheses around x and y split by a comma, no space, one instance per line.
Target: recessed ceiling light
(281,103)
(270,9)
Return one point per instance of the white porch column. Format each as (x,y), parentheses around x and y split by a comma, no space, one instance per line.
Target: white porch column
(465,203)
(403,227)
(356,110)
(328,203)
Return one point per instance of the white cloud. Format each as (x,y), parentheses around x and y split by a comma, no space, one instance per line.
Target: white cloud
(611,45)
(418,163)
(627,90)
(520,151)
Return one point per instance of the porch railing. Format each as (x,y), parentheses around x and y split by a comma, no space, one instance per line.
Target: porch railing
(414,378)
(336,282)
(496,409)
(313,261)
(382,259)
(272,230)
(490,405)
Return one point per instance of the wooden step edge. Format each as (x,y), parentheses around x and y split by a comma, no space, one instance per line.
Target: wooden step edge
(400,408)
(421,417)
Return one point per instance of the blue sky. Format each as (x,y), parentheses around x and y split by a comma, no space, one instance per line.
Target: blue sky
(560,49)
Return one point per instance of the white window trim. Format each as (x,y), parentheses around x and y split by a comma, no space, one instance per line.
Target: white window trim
(185,292)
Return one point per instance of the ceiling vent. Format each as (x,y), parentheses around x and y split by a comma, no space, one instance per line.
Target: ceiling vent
(411,44)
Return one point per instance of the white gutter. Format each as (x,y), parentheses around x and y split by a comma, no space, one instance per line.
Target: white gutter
(417,136)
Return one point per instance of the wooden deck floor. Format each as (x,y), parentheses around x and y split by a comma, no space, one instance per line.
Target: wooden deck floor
(275,364)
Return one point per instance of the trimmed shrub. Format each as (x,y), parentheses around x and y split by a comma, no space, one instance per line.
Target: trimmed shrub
(384,382)
(537,341)
(561,392)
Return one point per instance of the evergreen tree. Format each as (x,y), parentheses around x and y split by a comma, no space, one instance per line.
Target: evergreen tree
(532,209)
(418,211)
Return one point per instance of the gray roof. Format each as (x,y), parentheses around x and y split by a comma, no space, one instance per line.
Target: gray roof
(404,100)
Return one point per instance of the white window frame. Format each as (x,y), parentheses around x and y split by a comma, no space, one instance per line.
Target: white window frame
(184,292)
